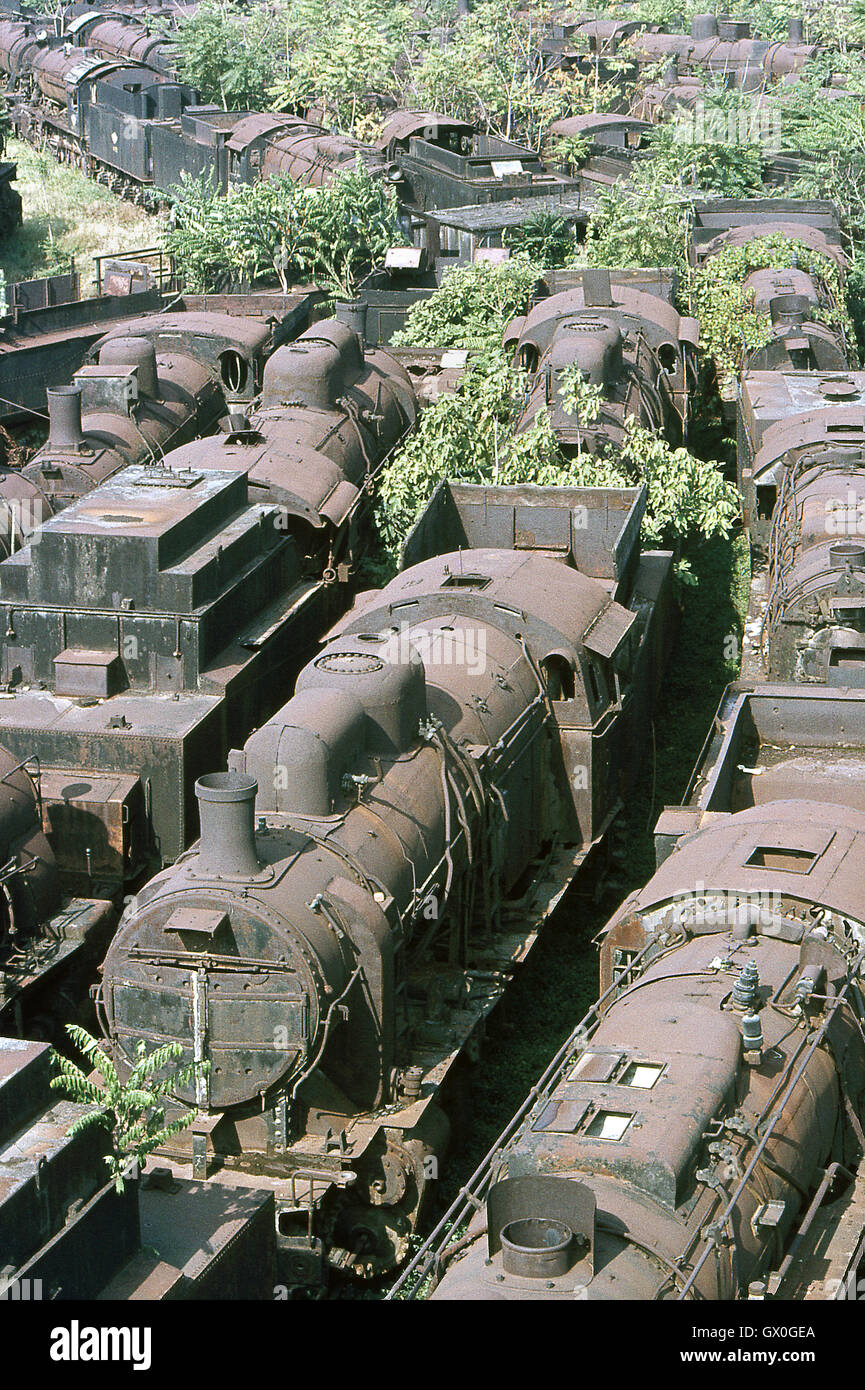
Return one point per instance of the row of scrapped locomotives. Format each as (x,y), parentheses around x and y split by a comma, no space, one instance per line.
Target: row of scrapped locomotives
(699,1134)
(157,605)
(714,45)
(800,448)
(382,849)
(137,128)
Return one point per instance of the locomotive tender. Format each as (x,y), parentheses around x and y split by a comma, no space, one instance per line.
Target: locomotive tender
(699,1134)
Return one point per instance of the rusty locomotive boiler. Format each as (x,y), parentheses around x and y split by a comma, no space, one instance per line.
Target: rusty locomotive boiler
(156,382)
(357,901)
(688,1137)
(153,622)
(626,338)
(116,35)
(801,462)
(328,417)
(724,46)
(797,305)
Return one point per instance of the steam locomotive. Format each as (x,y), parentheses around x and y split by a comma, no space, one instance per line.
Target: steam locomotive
(706,1107)
(152,619)
(358,899)
(622,332)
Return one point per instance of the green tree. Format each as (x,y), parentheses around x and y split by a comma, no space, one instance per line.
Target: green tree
(469,436)
(275,229)
(339,57)
(546,239)
(472,306)
(493,72)
(231,52)
(643,228)
(133,1112)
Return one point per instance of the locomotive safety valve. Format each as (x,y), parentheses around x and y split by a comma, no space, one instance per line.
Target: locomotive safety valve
(752,1038)
(745,994)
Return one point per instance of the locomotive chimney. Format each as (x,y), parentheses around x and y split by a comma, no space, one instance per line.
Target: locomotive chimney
(795,31)
(352,312)
(789,308)
(844,553)
(64,418)
(226,808)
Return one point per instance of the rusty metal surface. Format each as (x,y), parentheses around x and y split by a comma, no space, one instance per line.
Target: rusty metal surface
(330,414)
(597,126)
(631,343)
(157,382)
(121,38)
(389,752)
(156,610)
(659,1108)
(721,222)
(401,125)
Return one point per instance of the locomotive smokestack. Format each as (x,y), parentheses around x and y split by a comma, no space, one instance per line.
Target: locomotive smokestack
(789,308)
(795,31)
(597,291)
(352,312)
(226,807)
(64,418)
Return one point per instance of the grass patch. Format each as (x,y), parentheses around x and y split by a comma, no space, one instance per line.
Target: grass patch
(66,216)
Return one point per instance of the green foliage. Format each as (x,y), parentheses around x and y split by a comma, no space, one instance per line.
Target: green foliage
(472,306)
(648,222)
(836,23)
(729,323)
(133,1111)
(571,151)
(340,55)
(832,132)
(719,154)
(231,52)
(492,71)
(468,437)
(545,239)
(332,235)
(856,293)
(687,496)
(647,229)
